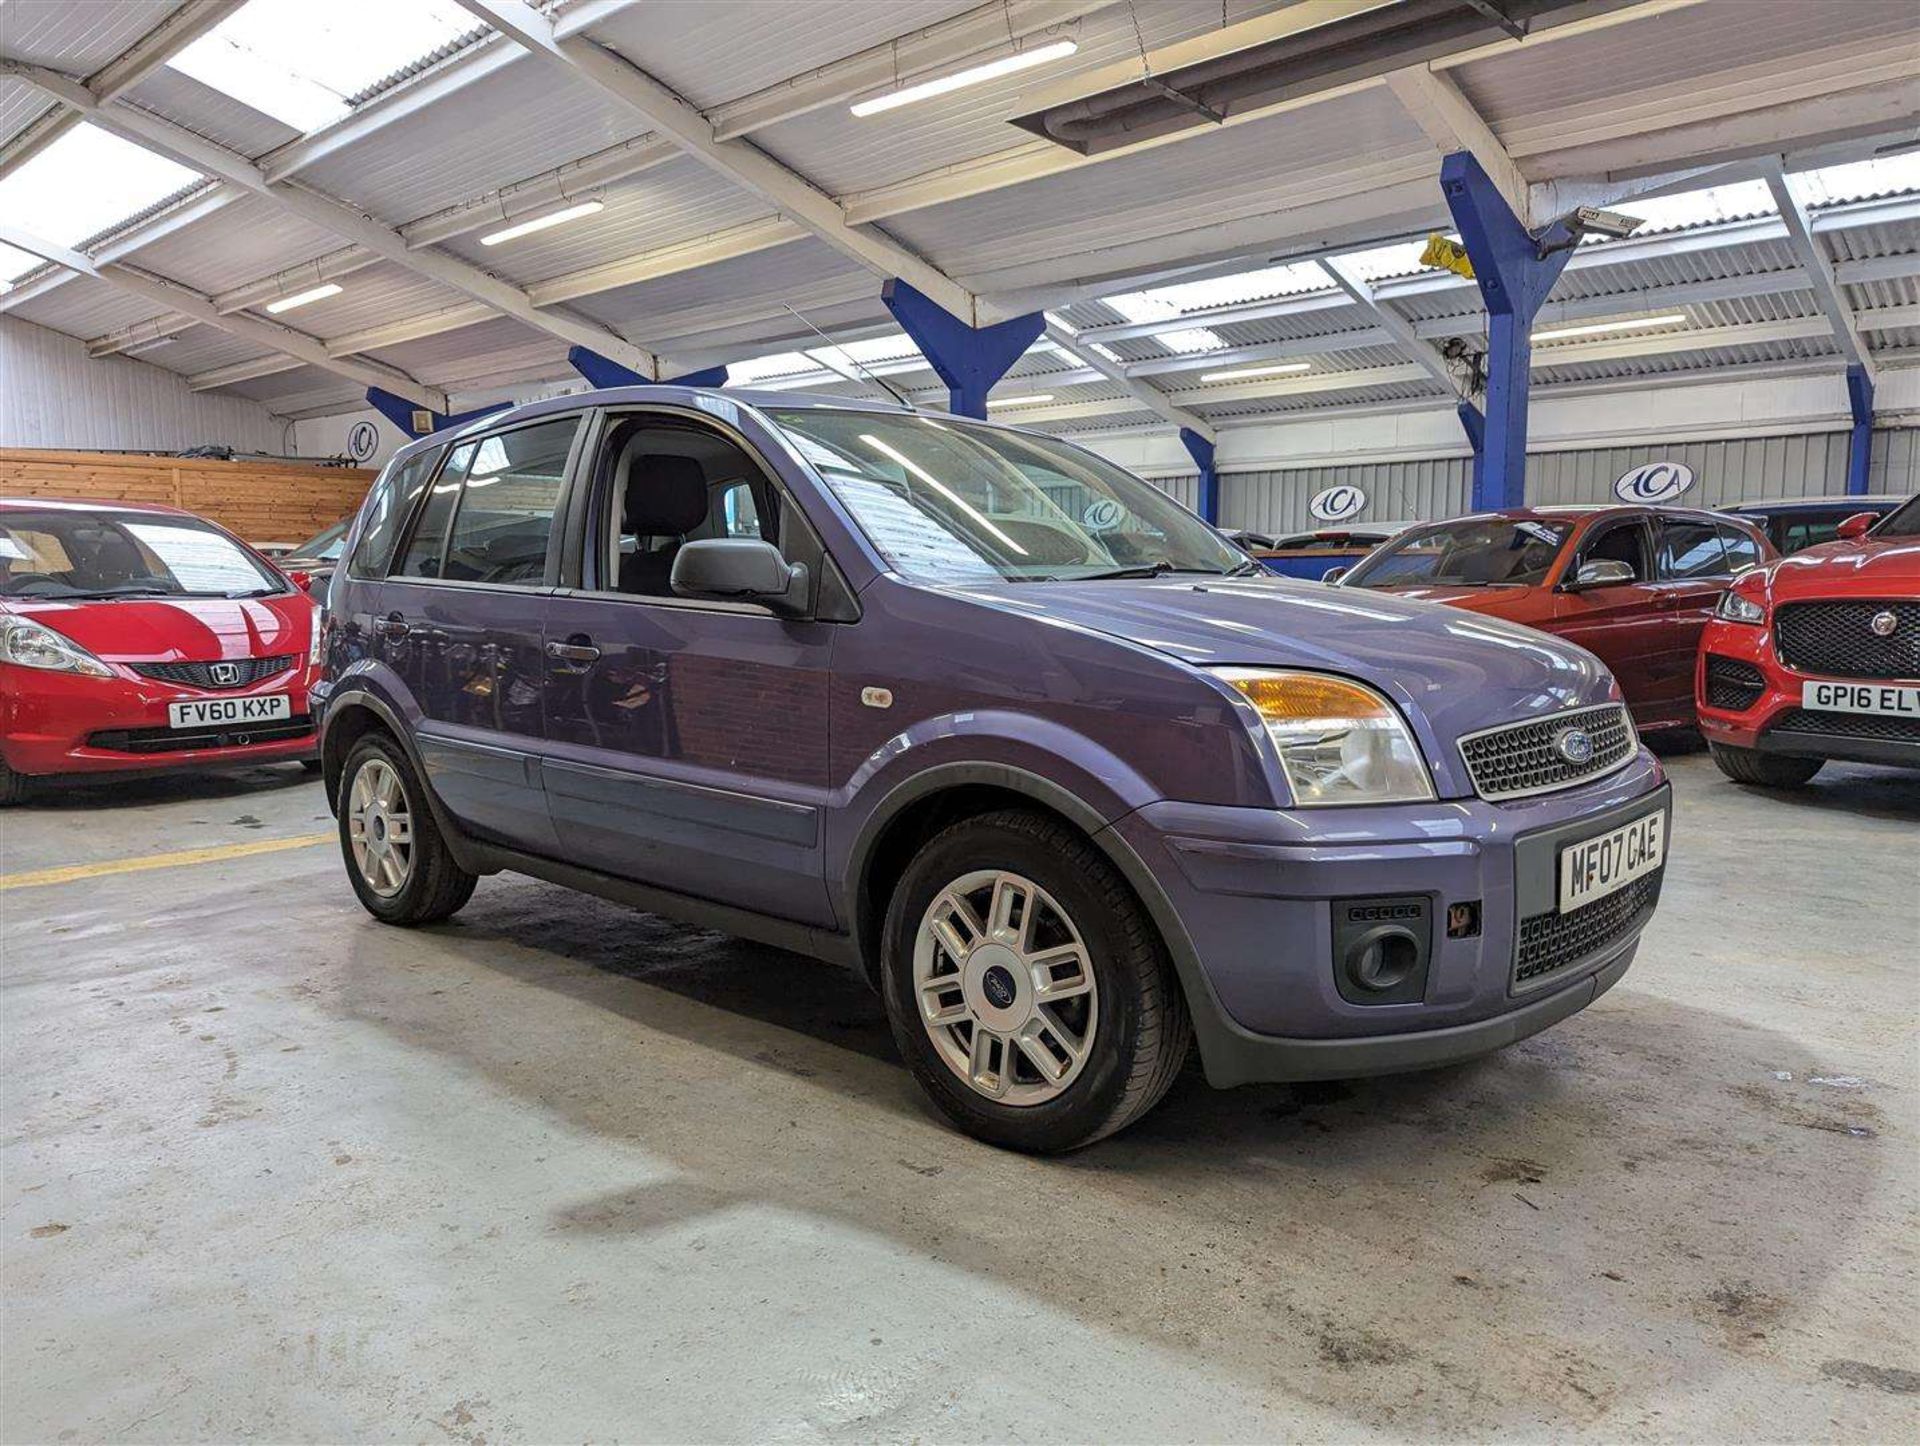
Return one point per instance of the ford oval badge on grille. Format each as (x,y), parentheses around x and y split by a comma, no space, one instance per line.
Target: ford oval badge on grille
(1883,624)
(1574,744)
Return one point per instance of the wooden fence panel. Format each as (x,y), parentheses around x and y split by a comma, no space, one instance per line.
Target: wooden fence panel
(259,501)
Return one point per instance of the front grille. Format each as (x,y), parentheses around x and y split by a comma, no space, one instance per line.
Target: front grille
(1521,758)
(1881,726)
(1552,942)
(1837,639)
(248,671)
(1732,684)
(169,740)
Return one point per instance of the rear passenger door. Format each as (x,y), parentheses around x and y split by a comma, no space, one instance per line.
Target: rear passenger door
(461,619)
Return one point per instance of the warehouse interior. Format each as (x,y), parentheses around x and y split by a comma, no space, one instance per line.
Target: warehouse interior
(565,1168)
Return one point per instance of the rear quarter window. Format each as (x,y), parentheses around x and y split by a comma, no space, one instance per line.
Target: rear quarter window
(391,499)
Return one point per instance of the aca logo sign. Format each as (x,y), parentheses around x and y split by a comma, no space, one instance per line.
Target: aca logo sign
(1655,482)
(363,441)
(1337,504)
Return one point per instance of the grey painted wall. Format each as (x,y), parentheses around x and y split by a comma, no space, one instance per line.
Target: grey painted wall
(53,395)
(1807,465)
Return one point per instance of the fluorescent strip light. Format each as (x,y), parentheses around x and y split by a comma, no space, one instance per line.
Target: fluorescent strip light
(1028,401)
(992,70)
(301,298)
(540,223)
(1672,318)
(1243,373)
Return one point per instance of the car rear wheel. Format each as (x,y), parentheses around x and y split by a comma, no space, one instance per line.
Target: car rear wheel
(1027,989)
(399,865)
(1769,770)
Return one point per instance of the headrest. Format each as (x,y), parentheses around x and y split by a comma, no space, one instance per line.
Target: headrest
(666,496)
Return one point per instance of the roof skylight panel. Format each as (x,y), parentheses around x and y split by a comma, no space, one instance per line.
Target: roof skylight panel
(1878,176)
(47,197)
(300,62)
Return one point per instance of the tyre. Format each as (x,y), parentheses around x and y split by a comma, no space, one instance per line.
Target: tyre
(310,765)
(399,865)
(1028,990)
(13,787)
(1769,770)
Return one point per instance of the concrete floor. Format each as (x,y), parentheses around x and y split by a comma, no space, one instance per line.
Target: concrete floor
(558,1171)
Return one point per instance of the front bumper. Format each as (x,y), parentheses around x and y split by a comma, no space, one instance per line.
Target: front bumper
(60,723)
(1775,721)
(1256,891)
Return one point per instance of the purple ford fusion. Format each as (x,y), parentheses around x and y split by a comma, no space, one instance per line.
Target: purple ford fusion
(1071,780)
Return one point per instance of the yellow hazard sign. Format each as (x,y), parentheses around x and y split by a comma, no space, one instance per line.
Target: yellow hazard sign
(1448,255)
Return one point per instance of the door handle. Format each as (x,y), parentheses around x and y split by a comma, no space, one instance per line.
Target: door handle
(394,626)
(574,650)
(1666,602)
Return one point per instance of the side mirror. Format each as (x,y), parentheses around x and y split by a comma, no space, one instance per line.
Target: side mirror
(1857,525)
(1601,572)
(739,569)
(1333,575)
(301,580)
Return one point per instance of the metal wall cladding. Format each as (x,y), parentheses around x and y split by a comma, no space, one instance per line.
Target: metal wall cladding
(55,395)
(1725,472)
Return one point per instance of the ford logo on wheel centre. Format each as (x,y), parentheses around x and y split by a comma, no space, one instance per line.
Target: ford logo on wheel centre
(1574,744)
(1337,504)
(1653,483)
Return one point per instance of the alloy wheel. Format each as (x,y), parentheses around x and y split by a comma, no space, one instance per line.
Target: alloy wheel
(1005,987)
(380,828)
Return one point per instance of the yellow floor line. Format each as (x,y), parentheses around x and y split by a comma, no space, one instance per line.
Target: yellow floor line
(217,854)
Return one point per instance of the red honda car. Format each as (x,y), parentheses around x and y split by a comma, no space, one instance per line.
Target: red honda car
(1635,585)
(142,639)
(1818,657)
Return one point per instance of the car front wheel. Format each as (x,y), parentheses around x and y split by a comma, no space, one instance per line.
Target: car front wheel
(1027,988)
(1769,770)
(399,865)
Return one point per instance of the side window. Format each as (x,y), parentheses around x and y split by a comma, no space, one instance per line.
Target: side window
(510,487)
(1624,542)
(667,483)
(1742,551)
(387,506)
(1809,532)
(1690,549)
(426,544)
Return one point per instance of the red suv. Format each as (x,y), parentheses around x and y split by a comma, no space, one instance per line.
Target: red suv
(1634,585)
(140,638)
(1818,657)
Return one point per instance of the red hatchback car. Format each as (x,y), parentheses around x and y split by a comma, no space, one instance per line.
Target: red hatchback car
(1635,585)
(1818,657)
(143,639)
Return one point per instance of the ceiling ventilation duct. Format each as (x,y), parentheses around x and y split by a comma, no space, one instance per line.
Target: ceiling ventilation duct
(1357,48)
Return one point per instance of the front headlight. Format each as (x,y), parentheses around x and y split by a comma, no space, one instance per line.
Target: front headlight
(1339,741)
(33,645)
(1737,609)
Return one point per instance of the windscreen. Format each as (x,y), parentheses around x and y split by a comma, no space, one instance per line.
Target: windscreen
(1473,552)
(948,502)
(124,555)
(1903,521)
(324,546)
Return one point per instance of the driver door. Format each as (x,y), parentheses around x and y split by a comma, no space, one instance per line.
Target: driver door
(687,737)
(1624,623)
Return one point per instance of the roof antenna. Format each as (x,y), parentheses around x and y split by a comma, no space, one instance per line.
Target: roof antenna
(852,360)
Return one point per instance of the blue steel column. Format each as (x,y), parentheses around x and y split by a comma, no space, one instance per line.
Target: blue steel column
(969,359)
(606,372)
(1514,280)
(1207,502)
(1474,423)
(1860,444)
(403,413)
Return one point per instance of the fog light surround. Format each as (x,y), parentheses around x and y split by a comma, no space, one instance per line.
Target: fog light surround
(1381,948)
